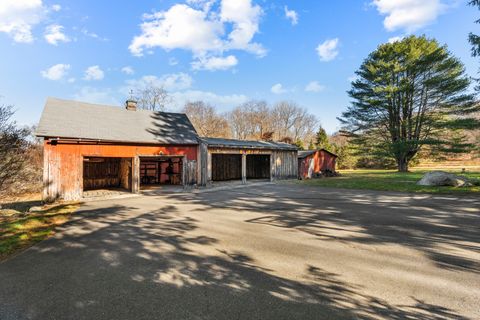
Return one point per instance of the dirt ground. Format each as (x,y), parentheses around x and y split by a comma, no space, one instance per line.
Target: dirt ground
(275,251)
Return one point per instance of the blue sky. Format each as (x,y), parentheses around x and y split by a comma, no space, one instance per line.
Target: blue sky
(224,51)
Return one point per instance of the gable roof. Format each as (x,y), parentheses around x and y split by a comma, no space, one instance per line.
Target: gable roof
(80,120)
(248,144)
(306,153)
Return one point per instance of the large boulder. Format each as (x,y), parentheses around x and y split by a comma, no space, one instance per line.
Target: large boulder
(442,178)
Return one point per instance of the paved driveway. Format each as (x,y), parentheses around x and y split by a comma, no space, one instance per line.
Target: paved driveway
(265,252)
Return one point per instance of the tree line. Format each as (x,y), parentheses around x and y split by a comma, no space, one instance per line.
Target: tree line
(284,121)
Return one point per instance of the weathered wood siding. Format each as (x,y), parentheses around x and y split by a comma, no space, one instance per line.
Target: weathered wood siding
(316,163)
(203,164)
(190,172)
(285,164)
(63,164)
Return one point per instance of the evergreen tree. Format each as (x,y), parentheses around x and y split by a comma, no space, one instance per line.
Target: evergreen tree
(311,145)
(299,144)
(409,94)
(321,140)
(473,38)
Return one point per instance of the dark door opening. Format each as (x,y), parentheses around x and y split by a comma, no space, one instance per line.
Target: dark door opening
(161,171)
(226,167)
(107,173)
(258,166)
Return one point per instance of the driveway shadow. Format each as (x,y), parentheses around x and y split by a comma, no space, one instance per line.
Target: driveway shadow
(124,263)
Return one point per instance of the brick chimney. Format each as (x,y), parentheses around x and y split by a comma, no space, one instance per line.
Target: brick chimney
(131,104)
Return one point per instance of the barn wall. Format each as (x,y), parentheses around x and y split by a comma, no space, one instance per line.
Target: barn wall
(63,164)
(285,164)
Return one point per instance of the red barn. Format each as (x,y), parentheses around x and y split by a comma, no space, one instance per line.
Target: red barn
(89,146)
(314,162)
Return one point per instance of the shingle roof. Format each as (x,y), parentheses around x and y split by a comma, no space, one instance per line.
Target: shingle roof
(306,153)
(79,120)
(247,144)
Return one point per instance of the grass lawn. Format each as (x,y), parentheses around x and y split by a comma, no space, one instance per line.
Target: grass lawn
(390,180)
(20,229)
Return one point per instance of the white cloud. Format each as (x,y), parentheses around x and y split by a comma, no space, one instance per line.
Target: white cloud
(170,82)
(245,18)
(93,35)
(95,95)
(94,73)
(128,70)
(409,15)
(223,102)
(278,89)
(197,28)
(56,7)
(54,34)
(180,27)
(328,50)
(314,86)
(56,72)
(215,63)
(17,18)
(291,15)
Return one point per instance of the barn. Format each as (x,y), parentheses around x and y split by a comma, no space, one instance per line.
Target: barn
(91,146)
(229,159)
(314,162)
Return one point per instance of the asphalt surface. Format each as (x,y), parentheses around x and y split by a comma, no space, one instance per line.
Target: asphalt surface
(263,252)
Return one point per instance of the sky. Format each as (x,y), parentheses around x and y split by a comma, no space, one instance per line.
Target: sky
(224,52)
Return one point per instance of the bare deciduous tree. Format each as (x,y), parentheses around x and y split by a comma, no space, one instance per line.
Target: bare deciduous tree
(206,120)
(251,120)
(13,147)
(291,120)
(152,97)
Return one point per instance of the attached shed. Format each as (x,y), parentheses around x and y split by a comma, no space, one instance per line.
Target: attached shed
(229,159)
(313,162)
(90,146)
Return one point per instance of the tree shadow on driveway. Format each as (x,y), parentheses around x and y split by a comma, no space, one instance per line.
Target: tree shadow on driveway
(124,263)
(444,228)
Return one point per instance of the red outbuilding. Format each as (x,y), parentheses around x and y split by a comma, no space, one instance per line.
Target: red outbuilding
(314,162)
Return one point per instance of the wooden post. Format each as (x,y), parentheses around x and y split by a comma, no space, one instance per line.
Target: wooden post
(209,167)
(185,174)
(135,174)
(244,168)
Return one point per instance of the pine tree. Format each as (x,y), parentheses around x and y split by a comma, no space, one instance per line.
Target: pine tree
(410,94)
(299,144)
(311,145)
(321,140)
(473,38)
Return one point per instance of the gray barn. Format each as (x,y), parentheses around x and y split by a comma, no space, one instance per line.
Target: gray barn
(229,159)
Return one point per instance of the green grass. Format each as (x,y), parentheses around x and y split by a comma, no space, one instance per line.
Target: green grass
(20,230)
(390,180)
